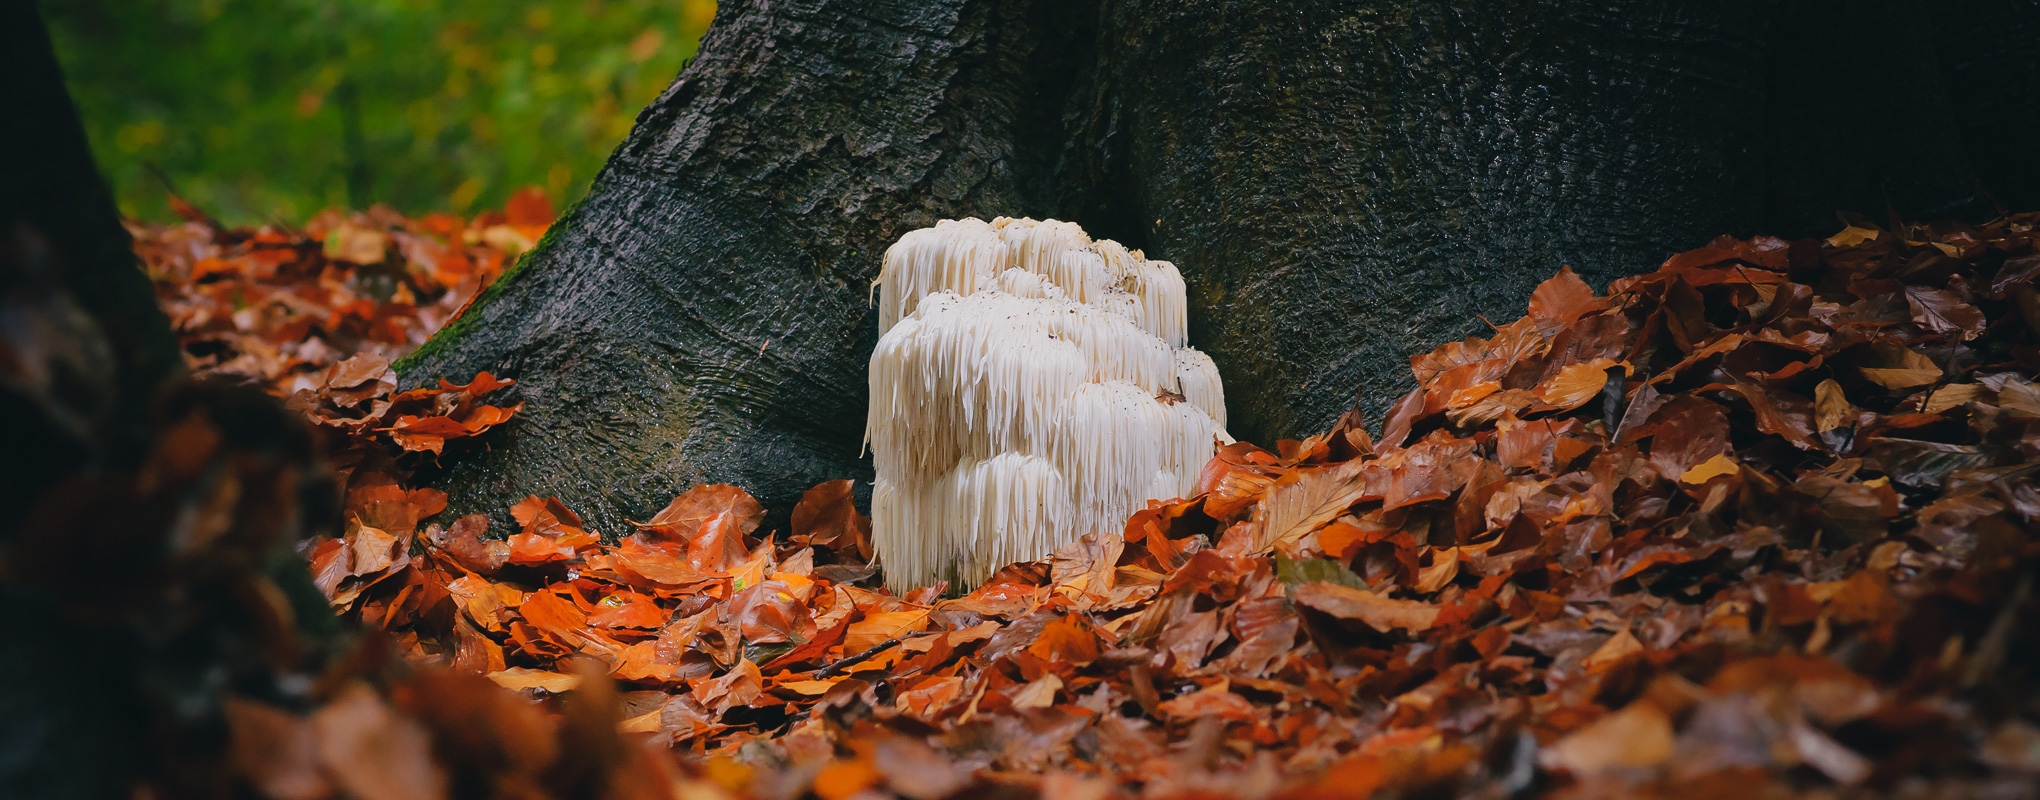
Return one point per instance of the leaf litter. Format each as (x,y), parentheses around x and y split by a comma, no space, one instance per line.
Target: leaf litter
(1758,522)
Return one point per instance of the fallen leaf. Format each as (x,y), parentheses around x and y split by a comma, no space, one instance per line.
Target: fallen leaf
(1721,464)
(1897,367)
(693,510)
(1574,385)
(827,516)
(1039,693)
(1638,736)
(1377,612)
(1216,700)
(521,678)
(373,753)
(1941,311)
(1563,298)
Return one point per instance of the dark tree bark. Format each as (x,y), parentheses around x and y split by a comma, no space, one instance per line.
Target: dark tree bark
(86,347)
(83,352)
(1343,185)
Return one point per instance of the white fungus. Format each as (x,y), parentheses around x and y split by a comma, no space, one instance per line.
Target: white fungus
(1029,386)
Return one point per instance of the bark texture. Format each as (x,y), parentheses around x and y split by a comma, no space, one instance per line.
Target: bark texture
(85,348)
(702,315)
(83,354)
(1342,184)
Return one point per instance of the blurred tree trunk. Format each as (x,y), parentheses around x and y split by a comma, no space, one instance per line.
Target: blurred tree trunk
(85,348)
(1342,184)
(83,353)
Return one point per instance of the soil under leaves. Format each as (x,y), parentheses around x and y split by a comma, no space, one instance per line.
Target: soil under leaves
(1760,522)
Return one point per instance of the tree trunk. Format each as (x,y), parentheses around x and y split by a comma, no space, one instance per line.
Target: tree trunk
(84,352)
(83,347)
(1342,185)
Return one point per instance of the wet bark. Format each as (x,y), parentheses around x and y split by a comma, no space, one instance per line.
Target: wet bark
(1343,185)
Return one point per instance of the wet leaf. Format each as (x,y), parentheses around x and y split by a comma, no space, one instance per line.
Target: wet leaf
(687,515)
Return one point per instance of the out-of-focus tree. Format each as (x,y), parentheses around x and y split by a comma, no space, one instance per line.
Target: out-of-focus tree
(258,109)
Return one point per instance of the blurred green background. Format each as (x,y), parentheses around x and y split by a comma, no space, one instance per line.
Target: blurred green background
(261,110)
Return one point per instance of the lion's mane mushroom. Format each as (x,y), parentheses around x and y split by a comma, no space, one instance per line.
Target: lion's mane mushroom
(1029,386)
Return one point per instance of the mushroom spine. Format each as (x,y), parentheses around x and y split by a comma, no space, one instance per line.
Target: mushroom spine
(1029,386)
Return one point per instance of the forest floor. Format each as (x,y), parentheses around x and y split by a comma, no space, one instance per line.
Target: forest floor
(1761,522)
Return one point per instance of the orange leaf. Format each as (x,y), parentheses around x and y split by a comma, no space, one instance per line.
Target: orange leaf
(531,549)
(1563,298)
(628,610)
(1377,612)
(684,517)
(528,207)
(827,516)
(1574,385)
(1066,640)
(717,544)
(1635,737)
(520,679)
(842,779)
(880,626)
(1216,700)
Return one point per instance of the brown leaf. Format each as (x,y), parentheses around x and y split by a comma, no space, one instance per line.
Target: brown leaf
(768,613)
(1942,311)
(628,610)
(717,544)
(522,679)
(1637,736)
(827,516)
(1618,648)
(1831,407)
(880,626)
(1038,693)
(1781,413)
(275,751)
(1377,612)
(373,753)
(1573,386)
(684,517)
(1425,471)
(1563,298)
(1216,700)
(1305,500)
(1894,366)
(1684,432)
(738,687)
(463,543)
(1066,640)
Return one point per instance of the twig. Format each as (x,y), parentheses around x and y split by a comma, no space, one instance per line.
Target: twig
(831,670)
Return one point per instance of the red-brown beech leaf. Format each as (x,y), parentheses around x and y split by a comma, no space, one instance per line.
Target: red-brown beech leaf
(627,610)
(684,517)
(1563,298)
(1941,311)
(718,543)
(1377,612)
(1211,701)
(463,542)
(827,516)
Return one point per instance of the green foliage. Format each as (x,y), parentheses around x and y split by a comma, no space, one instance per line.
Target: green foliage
(272,109)
(1316,570)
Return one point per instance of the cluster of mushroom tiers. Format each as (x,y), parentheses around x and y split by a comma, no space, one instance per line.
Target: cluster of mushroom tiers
(1029,386)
